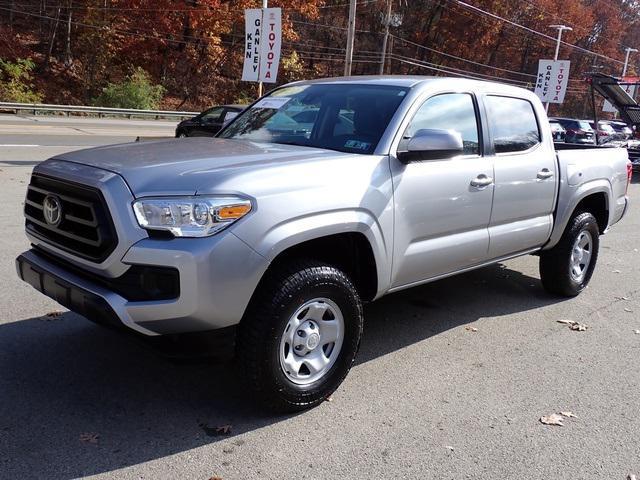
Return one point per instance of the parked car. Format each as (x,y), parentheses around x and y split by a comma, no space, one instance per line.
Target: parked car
(209,122)
(577,131)
(557,131)
(622,130)
(606,133)
(266,241)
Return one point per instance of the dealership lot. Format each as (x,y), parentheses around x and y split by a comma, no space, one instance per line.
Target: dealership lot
(451,380)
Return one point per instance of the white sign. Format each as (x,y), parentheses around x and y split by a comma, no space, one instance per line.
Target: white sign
(275,103)
(252,33)
(608,107)
(270,48)
(262,44)
(552,81)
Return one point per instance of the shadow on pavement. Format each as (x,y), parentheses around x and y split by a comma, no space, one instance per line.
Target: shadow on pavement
(64,378)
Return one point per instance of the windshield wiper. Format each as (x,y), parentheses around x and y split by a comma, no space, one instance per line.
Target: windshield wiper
(291,142)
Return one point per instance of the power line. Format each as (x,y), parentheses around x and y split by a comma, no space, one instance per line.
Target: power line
(485,76)
(469,75)
(530,30)
(154,9)
(462,59)
(122,32)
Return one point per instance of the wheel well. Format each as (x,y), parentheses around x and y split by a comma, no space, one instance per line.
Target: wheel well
(596,204)
(350,252)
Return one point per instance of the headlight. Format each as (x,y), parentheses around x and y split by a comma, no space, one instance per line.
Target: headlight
(197,216)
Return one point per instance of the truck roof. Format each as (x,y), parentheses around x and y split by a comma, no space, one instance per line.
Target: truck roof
(409,81)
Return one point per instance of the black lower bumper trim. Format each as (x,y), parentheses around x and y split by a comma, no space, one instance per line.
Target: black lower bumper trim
(75,298)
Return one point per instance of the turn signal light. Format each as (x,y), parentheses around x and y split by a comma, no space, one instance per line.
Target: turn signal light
(233,212)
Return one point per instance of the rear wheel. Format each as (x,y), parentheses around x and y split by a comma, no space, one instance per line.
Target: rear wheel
(182,134)
(567,268)
(300,335)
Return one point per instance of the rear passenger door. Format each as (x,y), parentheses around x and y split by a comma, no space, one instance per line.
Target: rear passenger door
(525,176)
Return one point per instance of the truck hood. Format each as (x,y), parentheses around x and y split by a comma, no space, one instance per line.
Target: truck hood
(192,165)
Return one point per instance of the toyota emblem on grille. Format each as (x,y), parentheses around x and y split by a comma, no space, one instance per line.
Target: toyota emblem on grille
(52,210)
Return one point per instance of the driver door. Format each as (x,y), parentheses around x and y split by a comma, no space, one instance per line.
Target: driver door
(441,218)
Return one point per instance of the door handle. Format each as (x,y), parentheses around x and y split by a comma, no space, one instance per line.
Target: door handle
(544,174)
(481,181)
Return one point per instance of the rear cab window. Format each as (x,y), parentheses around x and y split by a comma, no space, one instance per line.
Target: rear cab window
(512,124)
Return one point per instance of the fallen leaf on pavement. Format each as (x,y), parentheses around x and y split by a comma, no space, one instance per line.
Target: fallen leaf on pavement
(89,438)
(216,431)
(616,271)
(631,477)
(628,310)
(568,414)
(54,314)
(215,478)
(637,332)
(449,447)
(573,325)
(471,329)
(579,327)
(621,298)
(553,419)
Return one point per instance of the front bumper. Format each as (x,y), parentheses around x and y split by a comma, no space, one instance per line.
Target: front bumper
(218,276)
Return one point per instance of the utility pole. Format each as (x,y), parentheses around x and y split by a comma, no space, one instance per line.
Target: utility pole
(68,59)
(264,5)
(387,24)
(626,59)
(560,28)
(350,37)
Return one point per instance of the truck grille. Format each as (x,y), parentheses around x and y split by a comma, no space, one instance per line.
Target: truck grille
(81,222)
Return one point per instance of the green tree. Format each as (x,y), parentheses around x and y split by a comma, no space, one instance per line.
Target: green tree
(135,91)
(16,82)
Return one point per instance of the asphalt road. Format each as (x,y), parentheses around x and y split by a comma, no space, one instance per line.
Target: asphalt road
(429,396)
(25,140)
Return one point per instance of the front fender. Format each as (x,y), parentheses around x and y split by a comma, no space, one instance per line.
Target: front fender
(301,229)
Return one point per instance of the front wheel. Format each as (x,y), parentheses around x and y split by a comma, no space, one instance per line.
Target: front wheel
(300,335)
(567,268)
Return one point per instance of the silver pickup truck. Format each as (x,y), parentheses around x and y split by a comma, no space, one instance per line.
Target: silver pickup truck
(322,195)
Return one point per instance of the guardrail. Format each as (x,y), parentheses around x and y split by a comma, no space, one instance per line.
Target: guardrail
(100,111)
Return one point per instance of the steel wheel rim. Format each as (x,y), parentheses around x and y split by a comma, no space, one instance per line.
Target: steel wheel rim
(581,254)
(311,341)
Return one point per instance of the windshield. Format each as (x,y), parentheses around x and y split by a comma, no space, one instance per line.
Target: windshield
(343,117)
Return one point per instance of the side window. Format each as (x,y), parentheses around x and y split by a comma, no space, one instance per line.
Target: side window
(213,114)
(449,111)
(512,123)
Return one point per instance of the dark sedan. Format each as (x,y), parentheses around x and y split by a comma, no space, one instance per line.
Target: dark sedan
(209,122)
(578,131)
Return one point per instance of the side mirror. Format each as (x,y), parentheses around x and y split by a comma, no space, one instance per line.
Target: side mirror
(432,144)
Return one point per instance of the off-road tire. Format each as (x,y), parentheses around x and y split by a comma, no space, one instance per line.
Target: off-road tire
(279,295)
(555,263)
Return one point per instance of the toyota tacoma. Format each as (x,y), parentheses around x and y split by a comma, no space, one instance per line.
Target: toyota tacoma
(318,197)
